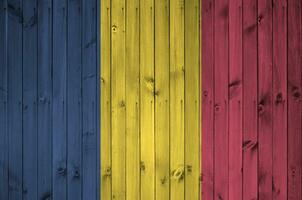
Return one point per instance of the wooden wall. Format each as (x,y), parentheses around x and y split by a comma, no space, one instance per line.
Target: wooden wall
(252,99)
(49,105)
(150,141)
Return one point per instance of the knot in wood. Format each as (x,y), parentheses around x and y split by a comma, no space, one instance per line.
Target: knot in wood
(114,28)
(61,171)
(279,98)
(142,166)
(107,172)
(296,93)
(178,174)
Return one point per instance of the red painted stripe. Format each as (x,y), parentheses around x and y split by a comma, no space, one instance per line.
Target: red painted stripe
(221,52)
(265,98)
(235,100)
(280,100)
(294,99)
(250,138)
(207,99)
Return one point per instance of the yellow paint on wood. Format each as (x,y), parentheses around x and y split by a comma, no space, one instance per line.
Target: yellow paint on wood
(132,101)
(105,101)
(192,119)
(150,100)
(177,71)
(162,79)
(147,89)
(118,95)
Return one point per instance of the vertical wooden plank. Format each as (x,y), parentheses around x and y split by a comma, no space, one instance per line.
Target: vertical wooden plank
(59,111)
(147,99)
(250,135)
(235,100)
(221,45)
(132,100)
(177,104)
(45,99)
(200,100)
(162,80)
(14,42)
(90,100)
(30,134)
(207,99)
(265,99)
(294,99)
(98,97)
(118,95)
(280,99)
(106,99)
(3,102)
(191,115)
(74,100)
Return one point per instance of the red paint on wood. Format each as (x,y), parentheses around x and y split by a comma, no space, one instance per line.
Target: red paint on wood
(208,99)
(221,50)
(252,112)
(250,135)
(294,99)
(235,100)
(279,100)
(265,126)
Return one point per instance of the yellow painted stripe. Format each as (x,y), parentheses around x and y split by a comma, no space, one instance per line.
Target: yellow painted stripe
(150,100)
(162,66)
(118,99)
(105,101)
(147,99)
(177,70)
(192,119)
(132,101)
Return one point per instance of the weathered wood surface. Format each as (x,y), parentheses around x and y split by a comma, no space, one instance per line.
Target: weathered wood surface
(150,99)
(251,88)
(49,99)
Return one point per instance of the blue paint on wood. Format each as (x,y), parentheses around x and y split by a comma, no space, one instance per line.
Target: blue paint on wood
(49,99)
(44,99)
(89,80)
(3,103)
(74,97)
(15,103)
(30,117)
(59,95)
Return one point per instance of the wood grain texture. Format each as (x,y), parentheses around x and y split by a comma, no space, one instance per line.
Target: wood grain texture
(192,104)
(74,103)
(162,100)
(177,101)
(208,99)
(250,119)
(265,70)
(147,100)
(145,42)
(90,101)
(30,117)
(15,100)
(106,100)
(43,48)
(260,41)
(221,66)
(235,100)
(44,99)
(3,103)
(59,115)
(294,165)
(132,101)
(118,95)
(280,144)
